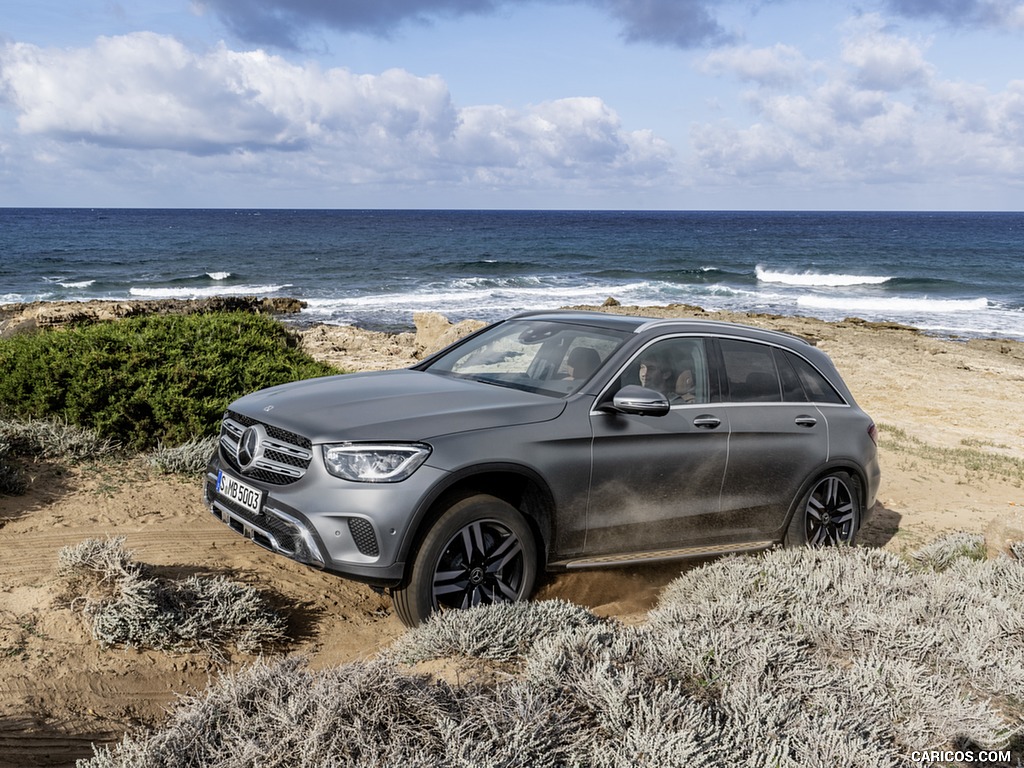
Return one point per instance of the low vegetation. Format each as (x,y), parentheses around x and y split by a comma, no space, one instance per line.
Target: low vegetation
(971,457)
(12,481)
(54,438)
(146,381)
(189,458)
(838,657)
(47,439)
(126,605)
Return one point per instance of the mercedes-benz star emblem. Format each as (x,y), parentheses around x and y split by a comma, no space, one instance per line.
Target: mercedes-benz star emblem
(248,447)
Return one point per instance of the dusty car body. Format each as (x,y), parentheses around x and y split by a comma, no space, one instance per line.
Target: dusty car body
(551,440)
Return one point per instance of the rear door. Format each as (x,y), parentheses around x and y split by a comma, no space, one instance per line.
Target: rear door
(778,438)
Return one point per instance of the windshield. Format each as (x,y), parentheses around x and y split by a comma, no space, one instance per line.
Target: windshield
(551,358)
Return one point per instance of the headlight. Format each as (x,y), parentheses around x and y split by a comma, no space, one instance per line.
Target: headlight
(373,462)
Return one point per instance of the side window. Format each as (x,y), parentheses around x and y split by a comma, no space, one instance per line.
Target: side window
(792,389)
(814,384)
(750,372)
(678,368)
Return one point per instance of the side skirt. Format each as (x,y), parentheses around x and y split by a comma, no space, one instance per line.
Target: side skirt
(660,555)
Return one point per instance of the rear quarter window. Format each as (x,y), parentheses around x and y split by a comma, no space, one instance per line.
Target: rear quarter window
(816,386)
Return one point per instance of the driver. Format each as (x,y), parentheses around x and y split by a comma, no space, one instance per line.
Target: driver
(656,372)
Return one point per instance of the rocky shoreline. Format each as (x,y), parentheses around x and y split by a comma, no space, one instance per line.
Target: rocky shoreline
(15,318)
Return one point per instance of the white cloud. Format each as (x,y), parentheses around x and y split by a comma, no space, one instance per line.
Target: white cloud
(882,60)
(149,92)
(778,65)
(879,114)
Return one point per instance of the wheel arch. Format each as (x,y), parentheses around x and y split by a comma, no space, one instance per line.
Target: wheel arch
(514,484)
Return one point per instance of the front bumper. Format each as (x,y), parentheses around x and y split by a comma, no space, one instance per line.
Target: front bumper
(355,530)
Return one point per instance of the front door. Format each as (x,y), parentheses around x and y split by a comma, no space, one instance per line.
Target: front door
(656,480)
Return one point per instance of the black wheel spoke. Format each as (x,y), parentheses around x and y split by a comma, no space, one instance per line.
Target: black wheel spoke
(830,513)
(507,591)
(483,563)
(446,582)
(509,549)
(470,540)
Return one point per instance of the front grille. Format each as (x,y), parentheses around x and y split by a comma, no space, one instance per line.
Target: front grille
(275,432)
(285,456)
(364,537)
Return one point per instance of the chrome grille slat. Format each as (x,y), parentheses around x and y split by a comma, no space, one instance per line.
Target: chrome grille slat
(286,455)
(274,466)
(299,454)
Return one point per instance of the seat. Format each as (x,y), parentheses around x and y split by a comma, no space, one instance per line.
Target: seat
(759,386)
(583,361)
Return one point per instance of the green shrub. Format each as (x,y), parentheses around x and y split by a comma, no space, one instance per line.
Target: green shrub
(147,380)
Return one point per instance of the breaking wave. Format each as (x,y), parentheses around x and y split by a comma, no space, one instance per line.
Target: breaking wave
(817,279)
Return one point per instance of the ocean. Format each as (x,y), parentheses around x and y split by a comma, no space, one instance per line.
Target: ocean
(950,274)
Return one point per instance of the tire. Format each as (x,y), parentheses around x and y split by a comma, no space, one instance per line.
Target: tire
(479,551)
(829,514)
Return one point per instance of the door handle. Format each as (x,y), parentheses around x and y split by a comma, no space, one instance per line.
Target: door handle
(707,422)
(805,421)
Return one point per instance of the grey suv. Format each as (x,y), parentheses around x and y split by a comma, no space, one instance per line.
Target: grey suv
(551,441)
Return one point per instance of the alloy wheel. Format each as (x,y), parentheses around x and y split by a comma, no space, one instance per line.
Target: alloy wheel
(482,563)
(830,513)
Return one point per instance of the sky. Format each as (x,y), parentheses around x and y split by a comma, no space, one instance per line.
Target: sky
(513,104)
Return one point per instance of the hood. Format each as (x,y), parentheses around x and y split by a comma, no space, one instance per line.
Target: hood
(393,405)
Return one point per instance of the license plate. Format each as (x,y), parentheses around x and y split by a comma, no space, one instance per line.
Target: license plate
(240,493)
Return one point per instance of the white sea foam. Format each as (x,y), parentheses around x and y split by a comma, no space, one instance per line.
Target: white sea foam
(894,304)
(203,293)
(218,275)
(464,297)
(77,284)
(813,279)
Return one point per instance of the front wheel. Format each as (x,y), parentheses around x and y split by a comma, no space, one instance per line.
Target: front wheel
(829,514)
(479,551)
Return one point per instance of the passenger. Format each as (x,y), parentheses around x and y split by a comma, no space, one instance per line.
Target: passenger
(686,386)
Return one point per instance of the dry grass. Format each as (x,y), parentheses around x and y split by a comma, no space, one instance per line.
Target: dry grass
(841,657)
(126,605)
(189,458)
(972,457)
(54,439)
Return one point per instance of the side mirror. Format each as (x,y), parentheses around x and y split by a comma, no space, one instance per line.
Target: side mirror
(639,401)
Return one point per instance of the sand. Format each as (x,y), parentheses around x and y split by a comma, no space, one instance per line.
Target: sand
(953,402)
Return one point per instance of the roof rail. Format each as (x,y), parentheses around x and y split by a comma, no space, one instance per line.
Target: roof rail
(720,324)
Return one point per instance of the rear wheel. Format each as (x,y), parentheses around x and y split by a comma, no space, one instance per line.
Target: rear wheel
(479,551)
(829,514)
